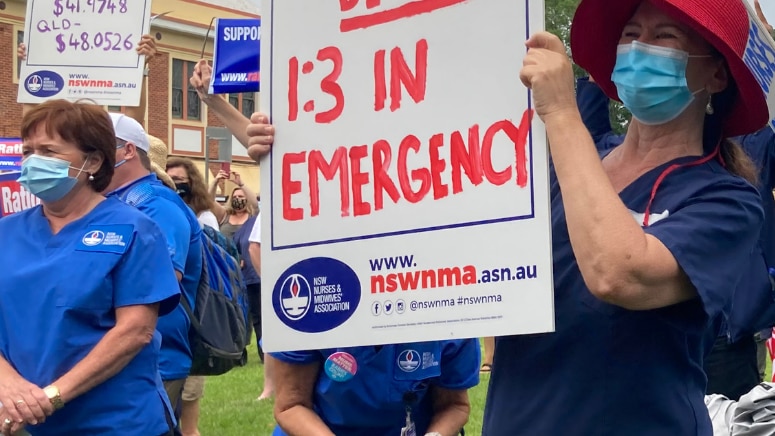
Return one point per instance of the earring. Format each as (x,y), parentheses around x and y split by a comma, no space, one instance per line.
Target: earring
(709,107)
(91,178)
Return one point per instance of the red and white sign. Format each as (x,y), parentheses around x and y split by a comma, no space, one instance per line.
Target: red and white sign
(13,198)
(408,158)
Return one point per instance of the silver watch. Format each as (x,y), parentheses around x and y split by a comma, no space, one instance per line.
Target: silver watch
(435,433)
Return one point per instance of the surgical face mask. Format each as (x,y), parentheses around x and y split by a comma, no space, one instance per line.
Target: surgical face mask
(183,189)
(651,81)
(122,161)
(48,178)
(239,203)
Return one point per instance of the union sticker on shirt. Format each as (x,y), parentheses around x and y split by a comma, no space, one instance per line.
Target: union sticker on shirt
(106,239)
(341,366)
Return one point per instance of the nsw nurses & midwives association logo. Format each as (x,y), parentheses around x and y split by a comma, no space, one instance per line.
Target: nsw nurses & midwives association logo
(93,238)
(409,360)
(316,295)
(34,83)
(296,296)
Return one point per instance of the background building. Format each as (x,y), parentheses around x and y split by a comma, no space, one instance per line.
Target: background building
(175,113)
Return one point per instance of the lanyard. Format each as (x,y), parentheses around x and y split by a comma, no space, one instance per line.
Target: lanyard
(409,429)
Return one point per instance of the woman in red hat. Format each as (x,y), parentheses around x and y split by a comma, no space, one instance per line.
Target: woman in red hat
(650,240)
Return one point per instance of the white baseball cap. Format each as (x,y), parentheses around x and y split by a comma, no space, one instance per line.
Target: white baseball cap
(129,130)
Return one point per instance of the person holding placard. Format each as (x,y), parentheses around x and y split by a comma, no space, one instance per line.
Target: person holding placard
(649,241)
(86,279)
(145,47)
(385,390)
(736,362)
(394,389)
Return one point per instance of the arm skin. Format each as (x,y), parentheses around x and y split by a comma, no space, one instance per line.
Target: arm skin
(620,263)
(228,114)
(254,249)
(451,409)
(293,411)
(134,329)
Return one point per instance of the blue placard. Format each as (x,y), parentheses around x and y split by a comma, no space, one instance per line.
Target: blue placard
(236,57)
(9,177)
(10,163)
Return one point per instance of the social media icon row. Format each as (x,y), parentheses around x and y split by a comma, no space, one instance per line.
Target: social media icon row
(388,307)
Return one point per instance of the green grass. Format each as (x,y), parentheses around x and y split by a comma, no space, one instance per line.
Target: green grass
(229,407)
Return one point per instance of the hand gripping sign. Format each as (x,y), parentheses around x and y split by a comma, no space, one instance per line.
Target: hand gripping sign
(236,56)
(10,154)
(409,180)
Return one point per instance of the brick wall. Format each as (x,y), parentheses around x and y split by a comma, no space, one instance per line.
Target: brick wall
(10,111)
(159,96)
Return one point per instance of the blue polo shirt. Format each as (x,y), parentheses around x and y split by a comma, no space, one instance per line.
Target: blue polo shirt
(59,294)
(609,371)
(755,292)
(372,402)
(182,233)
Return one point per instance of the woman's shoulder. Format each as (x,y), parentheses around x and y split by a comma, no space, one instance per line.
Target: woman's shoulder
(206,214)
(716,178)
(21,218)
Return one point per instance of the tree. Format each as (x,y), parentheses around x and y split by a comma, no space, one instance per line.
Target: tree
(559,16)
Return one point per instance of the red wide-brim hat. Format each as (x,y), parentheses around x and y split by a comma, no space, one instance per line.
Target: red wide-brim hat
(597,28)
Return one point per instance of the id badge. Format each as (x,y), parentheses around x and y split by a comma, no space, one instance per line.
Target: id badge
(409,430)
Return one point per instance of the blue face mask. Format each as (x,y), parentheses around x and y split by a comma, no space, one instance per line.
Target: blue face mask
(48,178)
(651,81)
(122,161)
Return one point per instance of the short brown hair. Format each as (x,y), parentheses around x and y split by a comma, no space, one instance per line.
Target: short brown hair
(86,125)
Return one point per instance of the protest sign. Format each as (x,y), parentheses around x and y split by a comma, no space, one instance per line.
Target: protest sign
(13,198)
(236,56)
(10,154)
(408,182)
(760,57)
(84,49)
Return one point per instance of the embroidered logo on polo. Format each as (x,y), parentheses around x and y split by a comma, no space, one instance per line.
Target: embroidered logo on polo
(429,360)
(653,217)
(409,360)
(93,238)
(107,239)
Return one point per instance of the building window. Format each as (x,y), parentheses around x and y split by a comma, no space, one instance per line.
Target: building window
(19,40)
(245,103)
(185,101)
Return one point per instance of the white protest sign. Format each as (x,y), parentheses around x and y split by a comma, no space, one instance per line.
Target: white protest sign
(760,56)
(84,49)
(408,182)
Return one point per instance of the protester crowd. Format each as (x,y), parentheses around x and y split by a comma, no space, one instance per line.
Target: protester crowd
(663,240)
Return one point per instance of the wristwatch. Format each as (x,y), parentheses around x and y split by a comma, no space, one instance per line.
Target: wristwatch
(146,71)
(435,433)
(52,392)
